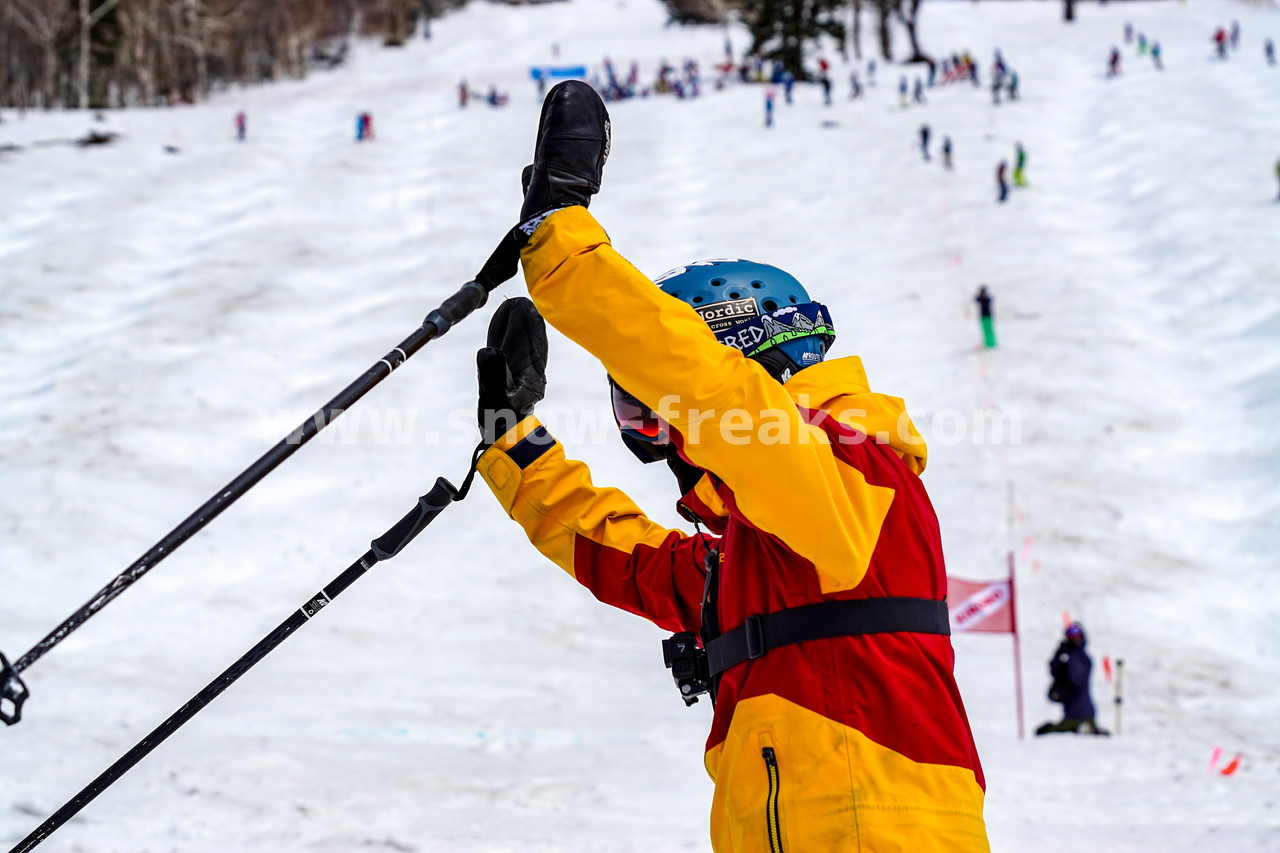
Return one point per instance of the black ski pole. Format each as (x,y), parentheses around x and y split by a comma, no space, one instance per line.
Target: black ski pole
(500,267)
(383,548)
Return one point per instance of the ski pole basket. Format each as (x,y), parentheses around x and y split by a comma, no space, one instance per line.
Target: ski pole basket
(12,692)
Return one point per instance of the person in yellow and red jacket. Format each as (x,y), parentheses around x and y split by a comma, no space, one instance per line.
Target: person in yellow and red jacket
(818,593)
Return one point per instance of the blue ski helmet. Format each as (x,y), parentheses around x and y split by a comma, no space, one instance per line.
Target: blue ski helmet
(756,308)
(760,310)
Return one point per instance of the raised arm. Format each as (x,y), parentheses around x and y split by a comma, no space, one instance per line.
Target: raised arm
(597,535)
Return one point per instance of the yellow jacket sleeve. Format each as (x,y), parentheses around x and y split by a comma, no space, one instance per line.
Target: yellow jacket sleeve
(597,535)
(734,418)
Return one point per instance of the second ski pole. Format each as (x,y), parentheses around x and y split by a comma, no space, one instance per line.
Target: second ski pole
(384,547)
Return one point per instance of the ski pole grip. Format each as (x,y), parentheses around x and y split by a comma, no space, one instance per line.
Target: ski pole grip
(12,693)
(415,521)
(468,298)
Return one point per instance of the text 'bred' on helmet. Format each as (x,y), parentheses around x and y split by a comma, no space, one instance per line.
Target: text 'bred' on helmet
(759,309)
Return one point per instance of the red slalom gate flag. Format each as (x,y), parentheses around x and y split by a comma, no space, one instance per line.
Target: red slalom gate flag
(989,607)
(980,605)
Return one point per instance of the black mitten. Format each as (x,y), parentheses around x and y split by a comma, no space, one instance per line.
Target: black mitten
(569,155)
(512,368)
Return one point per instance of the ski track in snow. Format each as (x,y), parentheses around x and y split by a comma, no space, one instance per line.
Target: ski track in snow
(165,317)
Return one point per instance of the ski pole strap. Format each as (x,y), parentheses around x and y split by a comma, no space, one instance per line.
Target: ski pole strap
(823,621)
(502,265)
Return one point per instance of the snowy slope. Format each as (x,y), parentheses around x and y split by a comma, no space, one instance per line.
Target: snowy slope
(165,317)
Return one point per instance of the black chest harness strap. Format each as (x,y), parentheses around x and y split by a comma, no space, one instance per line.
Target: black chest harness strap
(824,621)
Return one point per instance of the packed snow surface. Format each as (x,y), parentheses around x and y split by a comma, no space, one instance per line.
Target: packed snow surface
(166,315)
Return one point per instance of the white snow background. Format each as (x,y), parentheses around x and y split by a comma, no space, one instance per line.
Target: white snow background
(165,317)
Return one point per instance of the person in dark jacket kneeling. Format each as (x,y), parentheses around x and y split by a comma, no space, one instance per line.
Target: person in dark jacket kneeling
(1070,668)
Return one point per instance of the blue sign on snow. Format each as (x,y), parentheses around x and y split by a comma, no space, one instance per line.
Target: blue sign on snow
(537,73)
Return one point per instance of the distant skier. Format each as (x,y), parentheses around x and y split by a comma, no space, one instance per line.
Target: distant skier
(364,127)
(871,72)
(464,94)
(242,123)
(1013,85)
(826,89)
(1113,64)
(917,93)
(997,84)
(788,83)
(986,316)
(946,152)
(1142,43)
(1269,48)
(855,88)
(693,76)
(1002,184)
(1155,55)
(1070,668)
(1128,33)
(1220,41)
(902,91)
(1278,178)
(933,72)
(1019,165)
(768,107)
(1235,34)
(924,141)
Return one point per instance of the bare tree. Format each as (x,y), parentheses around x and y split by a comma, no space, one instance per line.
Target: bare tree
(89,17)
(96,53)
(856,28)
(884,17)
(31,71)
(908,12)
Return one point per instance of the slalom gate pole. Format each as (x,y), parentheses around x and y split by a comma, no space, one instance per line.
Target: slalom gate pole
(383,548)
(1119,691)
(1017,652)
(500,267)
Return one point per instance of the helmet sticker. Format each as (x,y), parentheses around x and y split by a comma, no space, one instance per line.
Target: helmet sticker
(756,334)
(709,262)
(722,315)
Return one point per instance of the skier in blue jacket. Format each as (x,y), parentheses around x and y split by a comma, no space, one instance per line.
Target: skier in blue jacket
(1070,668)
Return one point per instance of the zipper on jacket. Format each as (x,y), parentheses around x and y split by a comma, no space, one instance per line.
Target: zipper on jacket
(775,828)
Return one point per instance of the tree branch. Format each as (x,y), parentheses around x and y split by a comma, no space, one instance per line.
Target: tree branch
(101,12)
(44,34)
